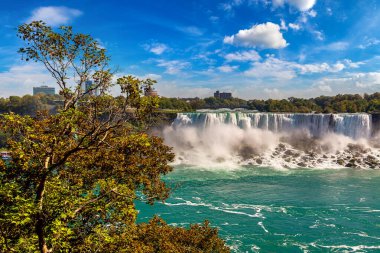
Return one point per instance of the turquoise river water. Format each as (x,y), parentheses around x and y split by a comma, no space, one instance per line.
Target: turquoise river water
(267,210)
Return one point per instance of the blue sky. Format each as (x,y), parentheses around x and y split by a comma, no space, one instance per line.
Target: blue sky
(253,48)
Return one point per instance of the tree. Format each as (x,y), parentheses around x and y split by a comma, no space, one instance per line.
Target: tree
(74,176)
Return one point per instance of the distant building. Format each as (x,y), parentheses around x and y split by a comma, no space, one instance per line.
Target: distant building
(5,155)
(223,95)
(88,88)
(44,90)
(151,93)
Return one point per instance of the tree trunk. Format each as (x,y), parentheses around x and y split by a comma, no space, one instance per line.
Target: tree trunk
(40,224)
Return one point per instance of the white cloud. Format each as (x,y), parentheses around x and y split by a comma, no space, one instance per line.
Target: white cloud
(20,79)
(250,55)
(336,46)
(276,3)
(191,30)
(173,67)
(150,76)
(283,25)
(172,89)
(54,15)
(301,5)
(324,87)
(352,64)
(279,69)
(227,68)
(156,48)
(271,91)
(318,35)
(366,80)
(295,27)
(228,6)
(214,19)
(302,23)
(351,82)
(312,13)
(266,35)
(369,42)
(271,68)
(319,67)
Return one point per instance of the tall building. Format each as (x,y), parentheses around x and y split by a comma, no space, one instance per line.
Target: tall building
(223,95)
(87,86)
(44,90)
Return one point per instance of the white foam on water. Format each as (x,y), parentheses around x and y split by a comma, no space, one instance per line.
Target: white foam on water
(238,209)
(281,141)
(362,234)
(260,223)
(349,248)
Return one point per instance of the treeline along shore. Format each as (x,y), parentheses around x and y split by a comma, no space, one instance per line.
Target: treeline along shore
(347,103)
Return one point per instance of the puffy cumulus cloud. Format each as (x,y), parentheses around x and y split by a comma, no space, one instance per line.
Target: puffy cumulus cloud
(280,69)
(20,79)
(173,67)
(244,56)
(301,5)
(156,48)
(227,68)
(54,15)
(266,35)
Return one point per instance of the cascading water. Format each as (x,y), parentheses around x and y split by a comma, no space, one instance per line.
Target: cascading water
(282,140)
(351,125)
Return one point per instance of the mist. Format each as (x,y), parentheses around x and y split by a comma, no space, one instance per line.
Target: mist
(219,140)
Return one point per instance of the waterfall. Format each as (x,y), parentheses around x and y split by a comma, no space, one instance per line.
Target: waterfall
(355,126)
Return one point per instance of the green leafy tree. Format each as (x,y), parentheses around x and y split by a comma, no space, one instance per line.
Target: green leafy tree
(74,176)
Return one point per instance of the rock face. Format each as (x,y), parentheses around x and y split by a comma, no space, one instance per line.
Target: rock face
(354,156)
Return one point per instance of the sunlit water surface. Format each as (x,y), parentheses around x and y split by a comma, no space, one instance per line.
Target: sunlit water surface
(268,210)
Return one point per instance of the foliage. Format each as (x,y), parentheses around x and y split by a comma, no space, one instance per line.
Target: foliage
(71,59)
(29,105)
(174,103)
(156,236)
(74,175)
(338,104)
(323,104)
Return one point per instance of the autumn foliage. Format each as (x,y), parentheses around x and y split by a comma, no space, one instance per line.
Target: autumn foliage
(74,176)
